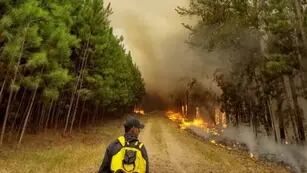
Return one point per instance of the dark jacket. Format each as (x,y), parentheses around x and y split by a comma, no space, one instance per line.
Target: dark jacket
(113,148)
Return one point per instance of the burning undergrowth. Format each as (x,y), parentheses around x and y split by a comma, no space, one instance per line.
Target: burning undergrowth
(264,147)
(243,139)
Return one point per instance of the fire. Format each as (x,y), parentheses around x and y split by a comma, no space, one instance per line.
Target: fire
(139,111)
(220,118)
(175,116)
(213,142)
(251,155)
(169,112)
(213,131)
(184,123)
(196,122)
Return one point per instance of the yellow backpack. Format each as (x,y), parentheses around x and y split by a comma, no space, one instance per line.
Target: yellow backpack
(129,159)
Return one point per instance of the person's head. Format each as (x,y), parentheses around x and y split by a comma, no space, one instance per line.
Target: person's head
(133,126)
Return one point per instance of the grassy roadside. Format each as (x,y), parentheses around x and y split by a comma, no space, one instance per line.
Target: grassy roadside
(52,153)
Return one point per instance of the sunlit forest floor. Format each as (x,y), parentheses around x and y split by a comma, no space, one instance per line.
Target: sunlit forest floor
(170,150)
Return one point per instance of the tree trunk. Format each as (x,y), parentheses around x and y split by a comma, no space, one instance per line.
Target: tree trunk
(76,87)
(272,116)
(48,116)
(57,118)
(6,117)
(268,124)
(74,114)
(17,113)
(78,95)
(53,114)
(23,117)
(87,119)
(41,116)
(299,116)
(81,116)
(95,114)
(290,101)
(27,117)
(103,112)
(2,89)
(281,126)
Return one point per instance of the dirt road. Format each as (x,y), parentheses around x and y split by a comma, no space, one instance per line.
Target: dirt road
(172,150)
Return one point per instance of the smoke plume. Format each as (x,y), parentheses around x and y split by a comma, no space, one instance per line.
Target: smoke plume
(154,35)
(264,146)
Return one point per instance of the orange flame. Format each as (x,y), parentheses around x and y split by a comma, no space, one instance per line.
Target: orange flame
(139,111)
(213,142)
(220,118)
(251,155)
(184,123)
(199,122)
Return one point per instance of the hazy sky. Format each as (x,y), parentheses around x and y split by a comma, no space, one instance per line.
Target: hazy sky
(153,33)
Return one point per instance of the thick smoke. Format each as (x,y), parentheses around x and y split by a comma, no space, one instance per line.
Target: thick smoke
(263,146)
(154,35)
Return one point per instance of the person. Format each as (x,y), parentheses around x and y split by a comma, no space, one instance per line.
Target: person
(127,153)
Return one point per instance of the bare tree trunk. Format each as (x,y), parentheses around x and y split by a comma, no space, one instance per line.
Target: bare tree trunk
(298,127)
(268,124)
(69,110)
(299,116)
(74,114)
(59,111)
(48,116)
(6,116)
(87,119)
(41,116)
(103,112)
(57,119)
(273,118)
(15,97)
(2,89)
(53,114)
(17,113)
(78,96)
(23,118)
(76,87)
(27,117)
(282,133)
(81,116)
(95,113)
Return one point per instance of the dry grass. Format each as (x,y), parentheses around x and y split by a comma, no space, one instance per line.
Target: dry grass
(50,152)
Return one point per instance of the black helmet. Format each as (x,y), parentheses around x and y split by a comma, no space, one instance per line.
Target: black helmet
(132,121)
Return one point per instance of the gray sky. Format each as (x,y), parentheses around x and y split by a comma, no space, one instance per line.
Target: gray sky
(153,33)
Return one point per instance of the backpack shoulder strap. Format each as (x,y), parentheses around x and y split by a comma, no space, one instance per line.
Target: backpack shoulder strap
(122,140)
(138,145)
